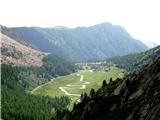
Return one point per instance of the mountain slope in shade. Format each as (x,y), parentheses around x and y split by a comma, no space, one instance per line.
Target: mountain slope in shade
(82,43)
(136,97)
(135,61)
(15,53)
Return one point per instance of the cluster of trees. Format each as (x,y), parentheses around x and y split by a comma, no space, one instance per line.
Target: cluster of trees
(54,66)
(18,105)
(93,93)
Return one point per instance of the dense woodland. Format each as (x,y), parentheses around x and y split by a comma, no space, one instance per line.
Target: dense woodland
(18,105)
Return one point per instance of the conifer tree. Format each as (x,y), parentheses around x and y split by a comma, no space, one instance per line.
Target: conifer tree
(104,83)
(110,80)
(92,92)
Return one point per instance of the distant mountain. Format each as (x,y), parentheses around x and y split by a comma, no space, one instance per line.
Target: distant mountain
(82,43)
(135,97)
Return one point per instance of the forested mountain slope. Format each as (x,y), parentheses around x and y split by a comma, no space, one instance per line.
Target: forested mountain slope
(135,61)
(136,97)
(82,43)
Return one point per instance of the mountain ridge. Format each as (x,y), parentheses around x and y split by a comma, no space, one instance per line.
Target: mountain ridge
(97,42)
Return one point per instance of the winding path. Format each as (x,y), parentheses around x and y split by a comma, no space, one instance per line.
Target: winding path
(41,86)
(70,87)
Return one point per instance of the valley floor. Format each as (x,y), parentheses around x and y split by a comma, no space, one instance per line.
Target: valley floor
(74,84)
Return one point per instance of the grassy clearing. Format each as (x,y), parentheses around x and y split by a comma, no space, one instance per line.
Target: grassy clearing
(52,89)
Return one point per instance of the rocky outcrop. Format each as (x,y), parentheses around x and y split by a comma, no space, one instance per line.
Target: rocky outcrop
(18,54)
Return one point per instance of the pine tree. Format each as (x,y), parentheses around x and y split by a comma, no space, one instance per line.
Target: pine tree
(127,82)
(104,83)
(110,80)
(81,97)
(85,97)
(92,92)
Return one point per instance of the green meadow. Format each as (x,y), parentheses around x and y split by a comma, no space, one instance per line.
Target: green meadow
(72,84)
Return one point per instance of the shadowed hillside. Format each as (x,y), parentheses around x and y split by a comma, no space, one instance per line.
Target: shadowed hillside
(135,61)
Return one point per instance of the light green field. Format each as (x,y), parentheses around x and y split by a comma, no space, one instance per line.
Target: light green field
(93,78)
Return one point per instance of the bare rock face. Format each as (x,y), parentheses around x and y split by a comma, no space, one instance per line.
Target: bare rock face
(18,54)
